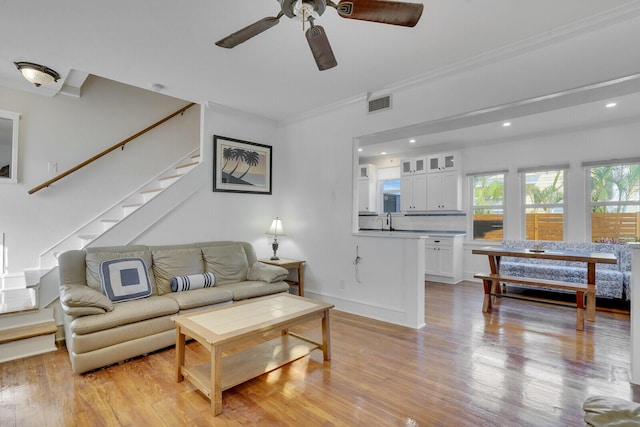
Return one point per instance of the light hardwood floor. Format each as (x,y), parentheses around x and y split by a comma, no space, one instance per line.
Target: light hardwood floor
(523,365)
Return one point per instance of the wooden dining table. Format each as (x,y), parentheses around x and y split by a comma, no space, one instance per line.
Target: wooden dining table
(495,254)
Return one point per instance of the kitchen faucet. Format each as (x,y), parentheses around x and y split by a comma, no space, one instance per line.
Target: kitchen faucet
(390,221)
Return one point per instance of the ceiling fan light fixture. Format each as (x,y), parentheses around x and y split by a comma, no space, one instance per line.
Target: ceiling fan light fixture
(305,10)
(37,74)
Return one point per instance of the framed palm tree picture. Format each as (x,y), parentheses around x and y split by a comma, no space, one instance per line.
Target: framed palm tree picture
(241,166)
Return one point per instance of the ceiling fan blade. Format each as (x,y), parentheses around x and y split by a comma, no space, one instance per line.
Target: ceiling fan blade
(241,36)
(385,12)
(320,48)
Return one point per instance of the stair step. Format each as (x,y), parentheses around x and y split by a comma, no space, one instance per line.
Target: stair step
(18,300)
(110,220)
(166,178)
(87,236)
(27,331)
(135,205)
(153,190)
(188,165)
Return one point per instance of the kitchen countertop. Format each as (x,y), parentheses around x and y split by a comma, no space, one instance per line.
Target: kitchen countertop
(409,234)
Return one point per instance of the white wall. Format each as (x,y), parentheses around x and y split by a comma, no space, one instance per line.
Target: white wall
(70,130)
(319,155)
(229,216)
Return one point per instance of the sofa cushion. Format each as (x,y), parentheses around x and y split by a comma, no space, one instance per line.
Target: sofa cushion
(95,258)
(609,282)
(84,296)
(124,279)
(252,289)
(228,263)
(266,273)
(132,331)
(201,297)
(624,257)
(193,281)
(82,311)
(124,313)
(173,262)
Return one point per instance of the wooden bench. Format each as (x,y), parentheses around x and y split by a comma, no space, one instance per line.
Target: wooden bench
(492,282)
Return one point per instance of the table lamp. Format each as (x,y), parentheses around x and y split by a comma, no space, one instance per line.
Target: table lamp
(275,230)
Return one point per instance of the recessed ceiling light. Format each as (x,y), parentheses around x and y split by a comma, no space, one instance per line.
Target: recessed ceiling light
(359,149)
(611,105)
(506,124)
(412,141)
(384,153)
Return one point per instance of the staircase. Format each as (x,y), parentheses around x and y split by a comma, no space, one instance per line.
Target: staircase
(29,315)
(88,233)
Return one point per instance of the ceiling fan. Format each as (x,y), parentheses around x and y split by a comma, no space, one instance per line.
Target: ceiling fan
(382,11)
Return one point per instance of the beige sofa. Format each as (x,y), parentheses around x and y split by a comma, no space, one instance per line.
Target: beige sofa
(100,332)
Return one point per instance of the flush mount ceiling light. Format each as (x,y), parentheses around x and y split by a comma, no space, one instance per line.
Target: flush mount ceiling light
(37,74)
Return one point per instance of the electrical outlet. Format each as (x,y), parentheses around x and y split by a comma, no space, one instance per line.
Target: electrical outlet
(343,284)
(52,167)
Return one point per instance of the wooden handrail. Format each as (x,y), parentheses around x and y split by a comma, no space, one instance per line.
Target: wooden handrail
(108,150)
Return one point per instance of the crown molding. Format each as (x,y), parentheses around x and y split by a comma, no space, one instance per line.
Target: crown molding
(597,22)
(225,109)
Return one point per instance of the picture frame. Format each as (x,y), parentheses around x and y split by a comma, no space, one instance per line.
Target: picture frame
(241,166)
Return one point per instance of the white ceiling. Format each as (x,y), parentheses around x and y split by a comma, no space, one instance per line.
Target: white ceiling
(610,103)
(171,43)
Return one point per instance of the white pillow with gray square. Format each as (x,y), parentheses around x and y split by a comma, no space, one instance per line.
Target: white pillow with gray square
(124,279)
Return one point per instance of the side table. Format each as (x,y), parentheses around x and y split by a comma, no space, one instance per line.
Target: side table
(290,264)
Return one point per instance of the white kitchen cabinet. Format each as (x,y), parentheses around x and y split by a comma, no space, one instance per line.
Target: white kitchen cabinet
(443,259)
(367,188)
(442,162)
(366,171)
(413,166)
(444,191)
(413,193)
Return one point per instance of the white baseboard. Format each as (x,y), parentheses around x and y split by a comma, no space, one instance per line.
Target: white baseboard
(396,316)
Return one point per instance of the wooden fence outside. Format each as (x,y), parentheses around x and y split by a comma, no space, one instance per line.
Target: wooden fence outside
(545,226)
(623,226)
(549,226)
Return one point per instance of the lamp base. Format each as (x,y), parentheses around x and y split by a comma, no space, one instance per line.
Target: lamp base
(274,246)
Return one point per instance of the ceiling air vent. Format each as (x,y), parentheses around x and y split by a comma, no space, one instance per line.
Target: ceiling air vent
(381,103)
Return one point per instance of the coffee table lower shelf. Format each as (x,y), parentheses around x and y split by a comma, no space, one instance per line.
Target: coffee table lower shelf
(250,363)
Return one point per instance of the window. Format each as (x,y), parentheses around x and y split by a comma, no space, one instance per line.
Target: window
(388,190)
(488,206)
(391,196)
(615,202)
(544,204)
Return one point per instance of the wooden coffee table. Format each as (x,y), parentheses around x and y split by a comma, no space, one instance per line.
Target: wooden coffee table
(222,328)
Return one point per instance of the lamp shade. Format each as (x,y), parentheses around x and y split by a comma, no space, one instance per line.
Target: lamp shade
(276,228)
(37,74)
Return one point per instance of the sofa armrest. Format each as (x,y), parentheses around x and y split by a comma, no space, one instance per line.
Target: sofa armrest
(266,272)
(83,297)
(75,312)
